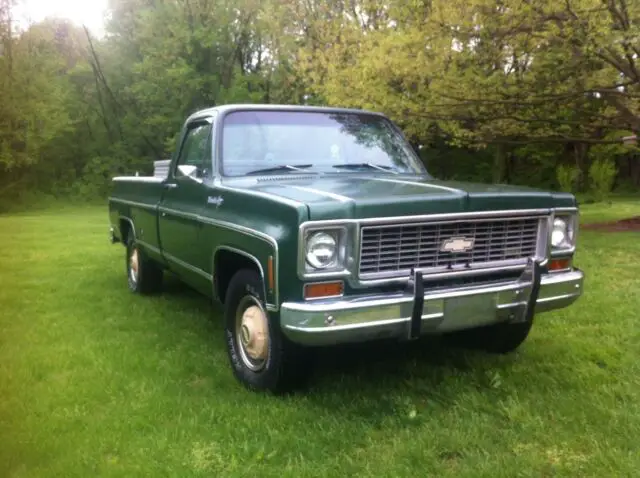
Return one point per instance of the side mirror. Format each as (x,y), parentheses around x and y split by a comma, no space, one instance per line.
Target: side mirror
(189,171)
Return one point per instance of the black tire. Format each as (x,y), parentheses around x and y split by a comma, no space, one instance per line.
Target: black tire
(283,365)
(148,277)
(500,338)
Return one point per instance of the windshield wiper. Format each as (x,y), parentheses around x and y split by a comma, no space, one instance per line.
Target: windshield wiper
(379,167)
(281,167)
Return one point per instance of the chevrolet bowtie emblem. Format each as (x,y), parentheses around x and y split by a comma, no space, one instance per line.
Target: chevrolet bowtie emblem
(457,244)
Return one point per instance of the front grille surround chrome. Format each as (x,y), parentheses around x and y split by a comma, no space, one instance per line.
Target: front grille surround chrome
(354,227)
(392,250)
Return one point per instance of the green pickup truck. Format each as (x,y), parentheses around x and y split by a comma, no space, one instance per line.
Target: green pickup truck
(319,226)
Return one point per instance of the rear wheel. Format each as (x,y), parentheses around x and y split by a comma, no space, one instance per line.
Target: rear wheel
(261,357)
(497,338)
(144,276)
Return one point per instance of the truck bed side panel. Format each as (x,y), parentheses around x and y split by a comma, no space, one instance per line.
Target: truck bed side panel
(135,200)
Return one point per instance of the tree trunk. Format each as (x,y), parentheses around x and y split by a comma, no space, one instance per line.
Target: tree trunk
(580,151)
(499,163)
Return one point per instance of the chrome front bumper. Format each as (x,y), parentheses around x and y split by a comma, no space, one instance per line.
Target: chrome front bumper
(405,315)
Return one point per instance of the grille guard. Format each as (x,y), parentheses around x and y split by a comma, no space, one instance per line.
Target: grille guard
(530,280)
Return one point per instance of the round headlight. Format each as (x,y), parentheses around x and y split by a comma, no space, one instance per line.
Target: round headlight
(559,235)
(321,250)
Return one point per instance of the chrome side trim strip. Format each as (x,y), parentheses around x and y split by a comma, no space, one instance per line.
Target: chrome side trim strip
(173,212)
(228,225)
(243,230)
(259,235)
(149,246)
(187,266)
(133,203)
(252,258)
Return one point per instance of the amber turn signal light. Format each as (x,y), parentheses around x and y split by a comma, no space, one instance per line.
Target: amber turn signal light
(559,264)
(323,289)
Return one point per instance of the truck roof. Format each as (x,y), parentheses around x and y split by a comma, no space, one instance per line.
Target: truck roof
(207,112)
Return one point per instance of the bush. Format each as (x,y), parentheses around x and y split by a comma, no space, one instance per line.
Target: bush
(95,181)
(567,178)
(602,174)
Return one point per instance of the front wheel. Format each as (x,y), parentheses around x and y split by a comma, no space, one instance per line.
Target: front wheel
(262,358)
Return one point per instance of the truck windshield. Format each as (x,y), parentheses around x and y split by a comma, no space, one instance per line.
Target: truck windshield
(279,141)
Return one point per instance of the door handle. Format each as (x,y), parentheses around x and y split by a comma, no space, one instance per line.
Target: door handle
(170,185)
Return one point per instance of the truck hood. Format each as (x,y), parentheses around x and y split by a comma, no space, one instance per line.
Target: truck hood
(357,197)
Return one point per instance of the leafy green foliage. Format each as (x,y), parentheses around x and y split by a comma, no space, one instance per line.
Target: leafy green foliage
(502,93)
(568,178)
(602,174)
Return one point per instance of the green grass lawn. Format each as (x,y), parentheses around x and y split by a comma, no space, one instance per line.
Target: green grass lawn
(97,382)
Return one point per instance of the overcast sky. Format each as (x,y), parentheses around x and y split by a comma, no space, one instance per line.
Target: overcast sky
(87,12)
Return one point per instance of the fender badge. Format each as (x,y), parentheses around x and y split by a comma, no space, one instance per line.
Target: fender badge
(217,200)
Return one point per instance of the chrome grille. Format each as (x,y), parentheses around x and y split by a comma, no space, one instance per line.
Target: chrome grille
(395,249)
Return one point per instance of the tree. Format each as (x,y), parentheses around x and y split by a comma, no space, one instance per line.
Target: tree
(483,73)
(34,93)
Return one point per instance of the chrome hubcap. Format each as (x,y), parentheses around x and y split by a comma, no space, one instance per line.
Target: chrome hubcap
(252,333)
(133,266)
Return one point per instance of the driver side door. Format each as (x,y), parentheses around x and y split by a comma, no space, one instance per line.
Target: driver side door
(184,196)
